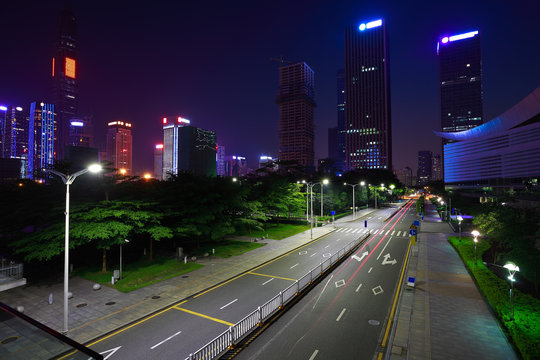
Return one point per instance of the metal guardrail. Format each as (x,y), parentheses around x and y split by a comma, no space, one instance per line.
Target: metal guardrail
(230,337)
(11,272)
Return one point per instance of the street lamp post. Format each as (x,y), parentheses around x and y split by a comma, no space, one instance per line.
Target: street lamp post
(475,233)
(68,180)
(310,187)
(353,202)
(307,198)
(512,269)
(126,241)
(459,219)
(324,182)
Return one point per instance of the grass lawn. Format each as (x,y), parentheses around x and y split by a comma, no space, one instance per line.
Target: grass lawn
(229,248)
(277,231)
(139,274)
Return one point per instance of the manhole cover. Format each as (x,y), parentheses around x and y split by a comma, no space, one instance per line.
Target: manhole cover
(110,303)
(9,339)
(185,276)
(374,322)
(156,297)
(82,305)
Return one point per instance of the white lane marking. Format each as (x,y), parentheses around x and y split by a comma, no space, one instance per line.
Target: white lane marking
(295,265)
(355,230)
(324,288)
(267,281)
(341,314)
(393,232)
(376,231)
(387,232)
(384,247)
(370,270)
(313,255)
(379,218)
(327,246)
(399,232)
(358,288)
(369,217)
(314,354)
(349,229)
(167,339)
(302,252)
(224,306)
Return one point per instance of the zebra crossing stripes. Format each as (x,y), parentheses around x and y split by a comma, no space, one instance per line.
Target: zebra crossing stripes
(373,231)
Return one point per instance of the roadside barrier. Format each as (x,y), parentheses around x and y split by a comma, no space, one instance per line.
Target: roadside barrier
(230,337)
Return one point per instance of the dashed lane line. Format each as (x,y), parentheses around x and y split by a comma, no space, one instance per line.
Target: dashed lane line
(224,306)
(167,339)
(341,314)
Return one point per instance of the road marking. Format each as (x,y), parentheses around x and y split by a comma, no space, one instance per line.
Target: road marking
(393,232)
(167,339)
(232,302)
(295,265)
(364,254)
(358,288)
(370,270)
(355,230)
(203,316)
(324,288)
(341,314)
(386,261)
(399,232)
(314,354)
(313,255)
(327,246)
(387,232)
(111,351)
(302,252)
(379,218)
(326,255)
(376,231)
(272,276)
(340,283)
(267,281)
(384,247)
(349,229)
(377,290)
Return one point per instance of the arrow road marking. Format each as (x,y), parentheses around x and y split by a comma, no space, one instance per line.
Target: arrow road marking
(167,339)
(111,351)
(386,261)
(377,290)
(364,254)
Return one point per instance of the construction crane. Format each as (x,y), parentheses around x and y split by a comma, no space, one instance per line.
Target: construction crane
(281,61)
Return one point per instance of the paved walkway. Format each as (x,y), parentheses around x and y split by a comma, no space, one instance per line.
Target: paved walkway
(87,322)
(444,316)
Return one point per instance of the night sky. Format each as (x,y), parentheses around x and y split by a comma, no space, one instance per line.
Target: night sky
(208,61)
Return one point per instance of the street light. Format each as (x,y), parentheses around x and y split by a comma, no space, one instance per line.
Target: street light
(68,179)
(307,198)
(512,269)
(310,186)
(459,219)
(353,202)
(126,241)
(324,182)
(475,233)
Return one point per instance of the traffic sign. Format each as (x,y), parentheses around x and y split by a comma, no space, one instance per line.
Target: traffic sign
(332,213)
(412,232)
(416,223)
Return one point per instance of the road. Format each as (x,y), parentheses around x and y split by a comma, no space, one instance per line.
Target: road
(344,316)
(183,328)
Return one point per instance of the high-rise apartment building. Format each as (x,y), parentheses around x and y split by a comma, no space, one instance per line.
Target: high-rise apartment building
(64,77)
(460,80)
(424,167)
(42,131)
(119,146)
(296,105)
(341,118)
(368,130)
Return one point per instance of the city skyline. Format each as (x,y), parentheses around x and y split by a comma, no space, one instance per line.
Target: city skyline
(120,82)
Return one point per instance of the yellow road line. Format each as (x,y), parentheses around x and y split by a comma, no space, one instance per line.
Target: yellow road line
(132,325)
(272,276)
(260,266)
(204,316)
(385,337)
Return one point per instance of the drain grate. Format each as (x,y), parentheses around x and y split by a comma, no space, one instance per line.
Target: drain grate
(81,305)
(110,303)
(9,339)
(156,297)
(185,276)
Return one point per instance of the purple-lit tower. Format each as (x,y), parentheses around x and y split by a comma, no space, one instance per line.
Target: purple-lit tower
(368,125)
(460,79)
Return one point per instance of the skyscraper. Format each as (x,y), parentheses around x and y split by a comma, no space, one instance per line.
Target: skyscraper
(235,166)
(368,130)
(158,161)
(119,146)
(14,132)
(296,104)
(436,167)
(424,167)
(220,160)
(64,77)
(42,130)
(460,79)
(81,133)
(341,119)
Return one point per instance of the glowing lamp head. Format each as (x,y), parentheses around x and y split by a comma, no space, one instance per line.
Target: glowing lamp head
(123,171)
(234,179)
(325,181)
(94,168)
(344,183)
(392,187)
(362,27)
(362,183)
(3,108)
(18,108)
(475,233)
(459,218)
(147,176)
(444,40)
(511,266)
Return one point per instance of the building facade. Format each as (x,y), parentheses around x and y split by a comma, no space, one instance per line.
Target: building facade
(81,133)
(65,77)
(424,167)
(42,132)
(296,107)
(236,166)
(368,125)
(14,132)
(460,80)
(436,168)
(158,161)
(119,146)
(405,176)
(220,160)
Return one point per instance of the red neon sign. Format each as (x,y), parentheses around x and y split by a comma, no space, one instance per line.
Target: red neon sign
(52,67)
(70,68)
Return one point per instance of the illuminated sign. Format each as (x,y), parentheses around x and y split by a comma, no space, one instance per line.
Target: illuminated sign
(370,25)
(3,108)
(18,108)
(447,39)
(159,146)
(70,68)
(182,120)
(52,67)
(265,158)
(77,123)
(113,123)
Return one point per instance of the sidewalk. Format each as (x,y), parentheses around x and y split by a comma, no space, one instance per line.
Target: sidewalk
(94,313)
(444,316)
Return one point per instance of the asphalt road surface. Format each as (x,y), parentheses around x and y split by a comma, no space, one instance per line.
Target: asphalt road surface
(344,316)
(183,328)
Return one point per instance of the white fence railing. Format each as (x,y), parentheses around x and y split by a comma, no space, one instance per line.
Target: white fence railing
(238,331)
(11,272)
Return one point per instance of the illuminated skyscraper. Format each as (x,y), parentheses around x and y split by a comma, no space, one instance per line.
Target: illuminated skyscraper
(460,79)
(42,129)
(64,76)
(14,132)
(158,161)
(220,160)
(296,104)
(235,166)
(368,130)
(81,133)
(119,146)
(424,167)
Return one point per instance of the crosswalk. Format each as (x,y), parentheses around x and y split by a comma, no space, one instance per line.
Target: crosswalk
(362,231)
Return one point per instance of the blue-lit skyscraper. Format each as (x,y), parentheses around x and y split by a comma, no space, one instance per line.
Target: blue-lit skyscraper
(368,130)
(42,131)
(460,80)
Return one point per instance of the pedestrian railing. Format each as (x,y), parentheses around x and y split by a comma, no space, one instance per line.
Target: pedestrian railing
(11,271)
(229,338)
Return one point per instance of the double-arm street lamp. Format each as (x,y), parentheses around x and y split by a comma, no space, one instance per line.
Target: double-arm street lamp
(475,233)
(512,269)
(353,202)
(310,186)
(68,179)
